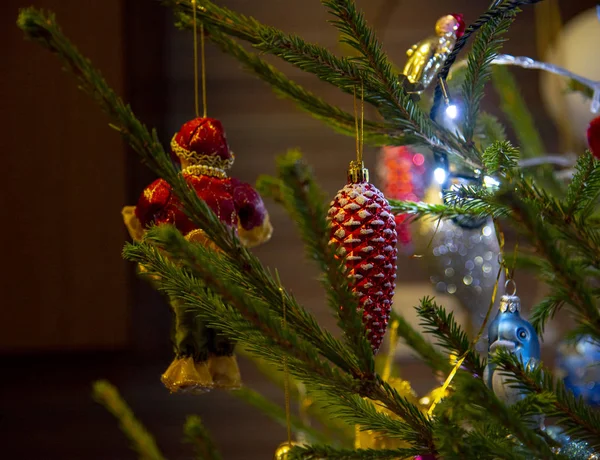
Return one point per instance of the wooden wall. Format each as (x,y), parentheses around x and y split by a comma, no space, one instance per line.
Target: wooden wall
(64,284)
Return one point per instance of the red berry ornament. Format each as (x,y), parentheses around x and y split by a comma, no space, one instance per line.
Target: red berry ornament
(363,231)
(593,137)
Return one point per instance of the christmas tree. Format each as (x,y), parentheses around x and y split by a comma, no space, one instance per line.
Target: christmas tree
(192,230)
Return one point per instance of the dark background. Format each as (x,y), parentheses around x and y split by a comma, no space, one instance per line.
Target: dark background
(72,310)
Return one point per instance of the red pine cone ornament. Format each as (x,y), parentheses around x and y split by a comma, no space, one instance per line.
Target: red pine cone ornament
(593,137)
(364,231)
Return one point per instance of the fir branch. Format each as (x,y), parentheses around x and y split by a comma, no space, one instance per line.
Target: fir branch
(375,133)
(488,130)
(497,11)
(473,401)
(412,426)
(304,200)
(320,451)
(230,271)
(141,440)
(566,273)
(475,207)
(252,324)
(485,47)
(500,157)
(514,107)
(232,285)
(435,320)
(415,340)
(584,188)
(394,104)
(198,436)
(547,308)
(277,413)
(578,418)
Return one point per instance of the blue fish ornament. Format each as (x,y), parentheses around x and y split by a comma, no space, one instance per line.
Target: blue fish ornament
(510,331)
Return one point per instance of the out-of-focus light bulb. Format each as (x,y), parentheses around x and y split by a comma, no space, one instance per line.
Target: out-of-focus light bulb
(452,111)
(439,174)
(490,182)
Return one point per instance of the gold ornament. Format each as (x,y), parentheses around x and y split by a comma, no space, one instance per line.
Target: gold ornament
(370,439)
(427,57)
(283,451)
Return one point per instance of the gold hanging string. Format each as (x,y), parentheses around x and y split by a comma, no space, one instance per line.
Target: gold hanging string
(196,91)
(356,126)
(360,131)
(481,329)
(362,123)
(286,377)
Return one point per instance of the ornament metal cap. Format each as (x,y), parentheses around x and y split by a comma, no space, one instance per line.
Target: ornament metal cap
(357,172)
(510,303)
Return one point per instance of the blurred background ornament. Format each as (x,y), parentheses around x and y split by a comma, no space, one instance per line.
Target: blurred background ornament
(578,363)
(593,137)
(571,50)
(462,259)
(401,172)
(571,448)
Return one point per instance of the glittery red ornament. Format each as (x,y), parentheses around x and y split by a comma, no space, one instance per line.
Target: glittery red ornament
(593,137)
(364,234)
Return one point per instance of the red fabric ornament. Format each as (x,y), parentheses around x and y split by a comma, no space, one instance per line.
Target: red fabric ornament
(201,139)
(364,234)
(234,202)
(593,137)
(201,146)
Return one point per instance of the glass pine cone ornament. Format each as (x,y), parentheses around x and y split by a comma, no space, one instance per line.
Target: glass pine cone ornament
(363,232)
(579,366)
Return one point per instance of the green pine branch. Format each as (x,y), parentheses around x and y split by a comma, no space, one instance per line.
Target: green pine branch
(514,107)
(497,11)
(305,202)
(393,102)
(584,188)
(530,216)
(320,451)
(500,157)
(474,403)
(233,287)
(415,340)
(277,413)
(572,413)
(198,436)
(238,314)
(485,48)
(141,440)
(376,133)
(435,320)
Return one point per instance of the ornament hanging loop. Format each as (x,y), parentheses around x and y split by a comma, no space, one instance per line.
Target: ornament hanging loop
(203,72)
(513,285)
(357,172)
